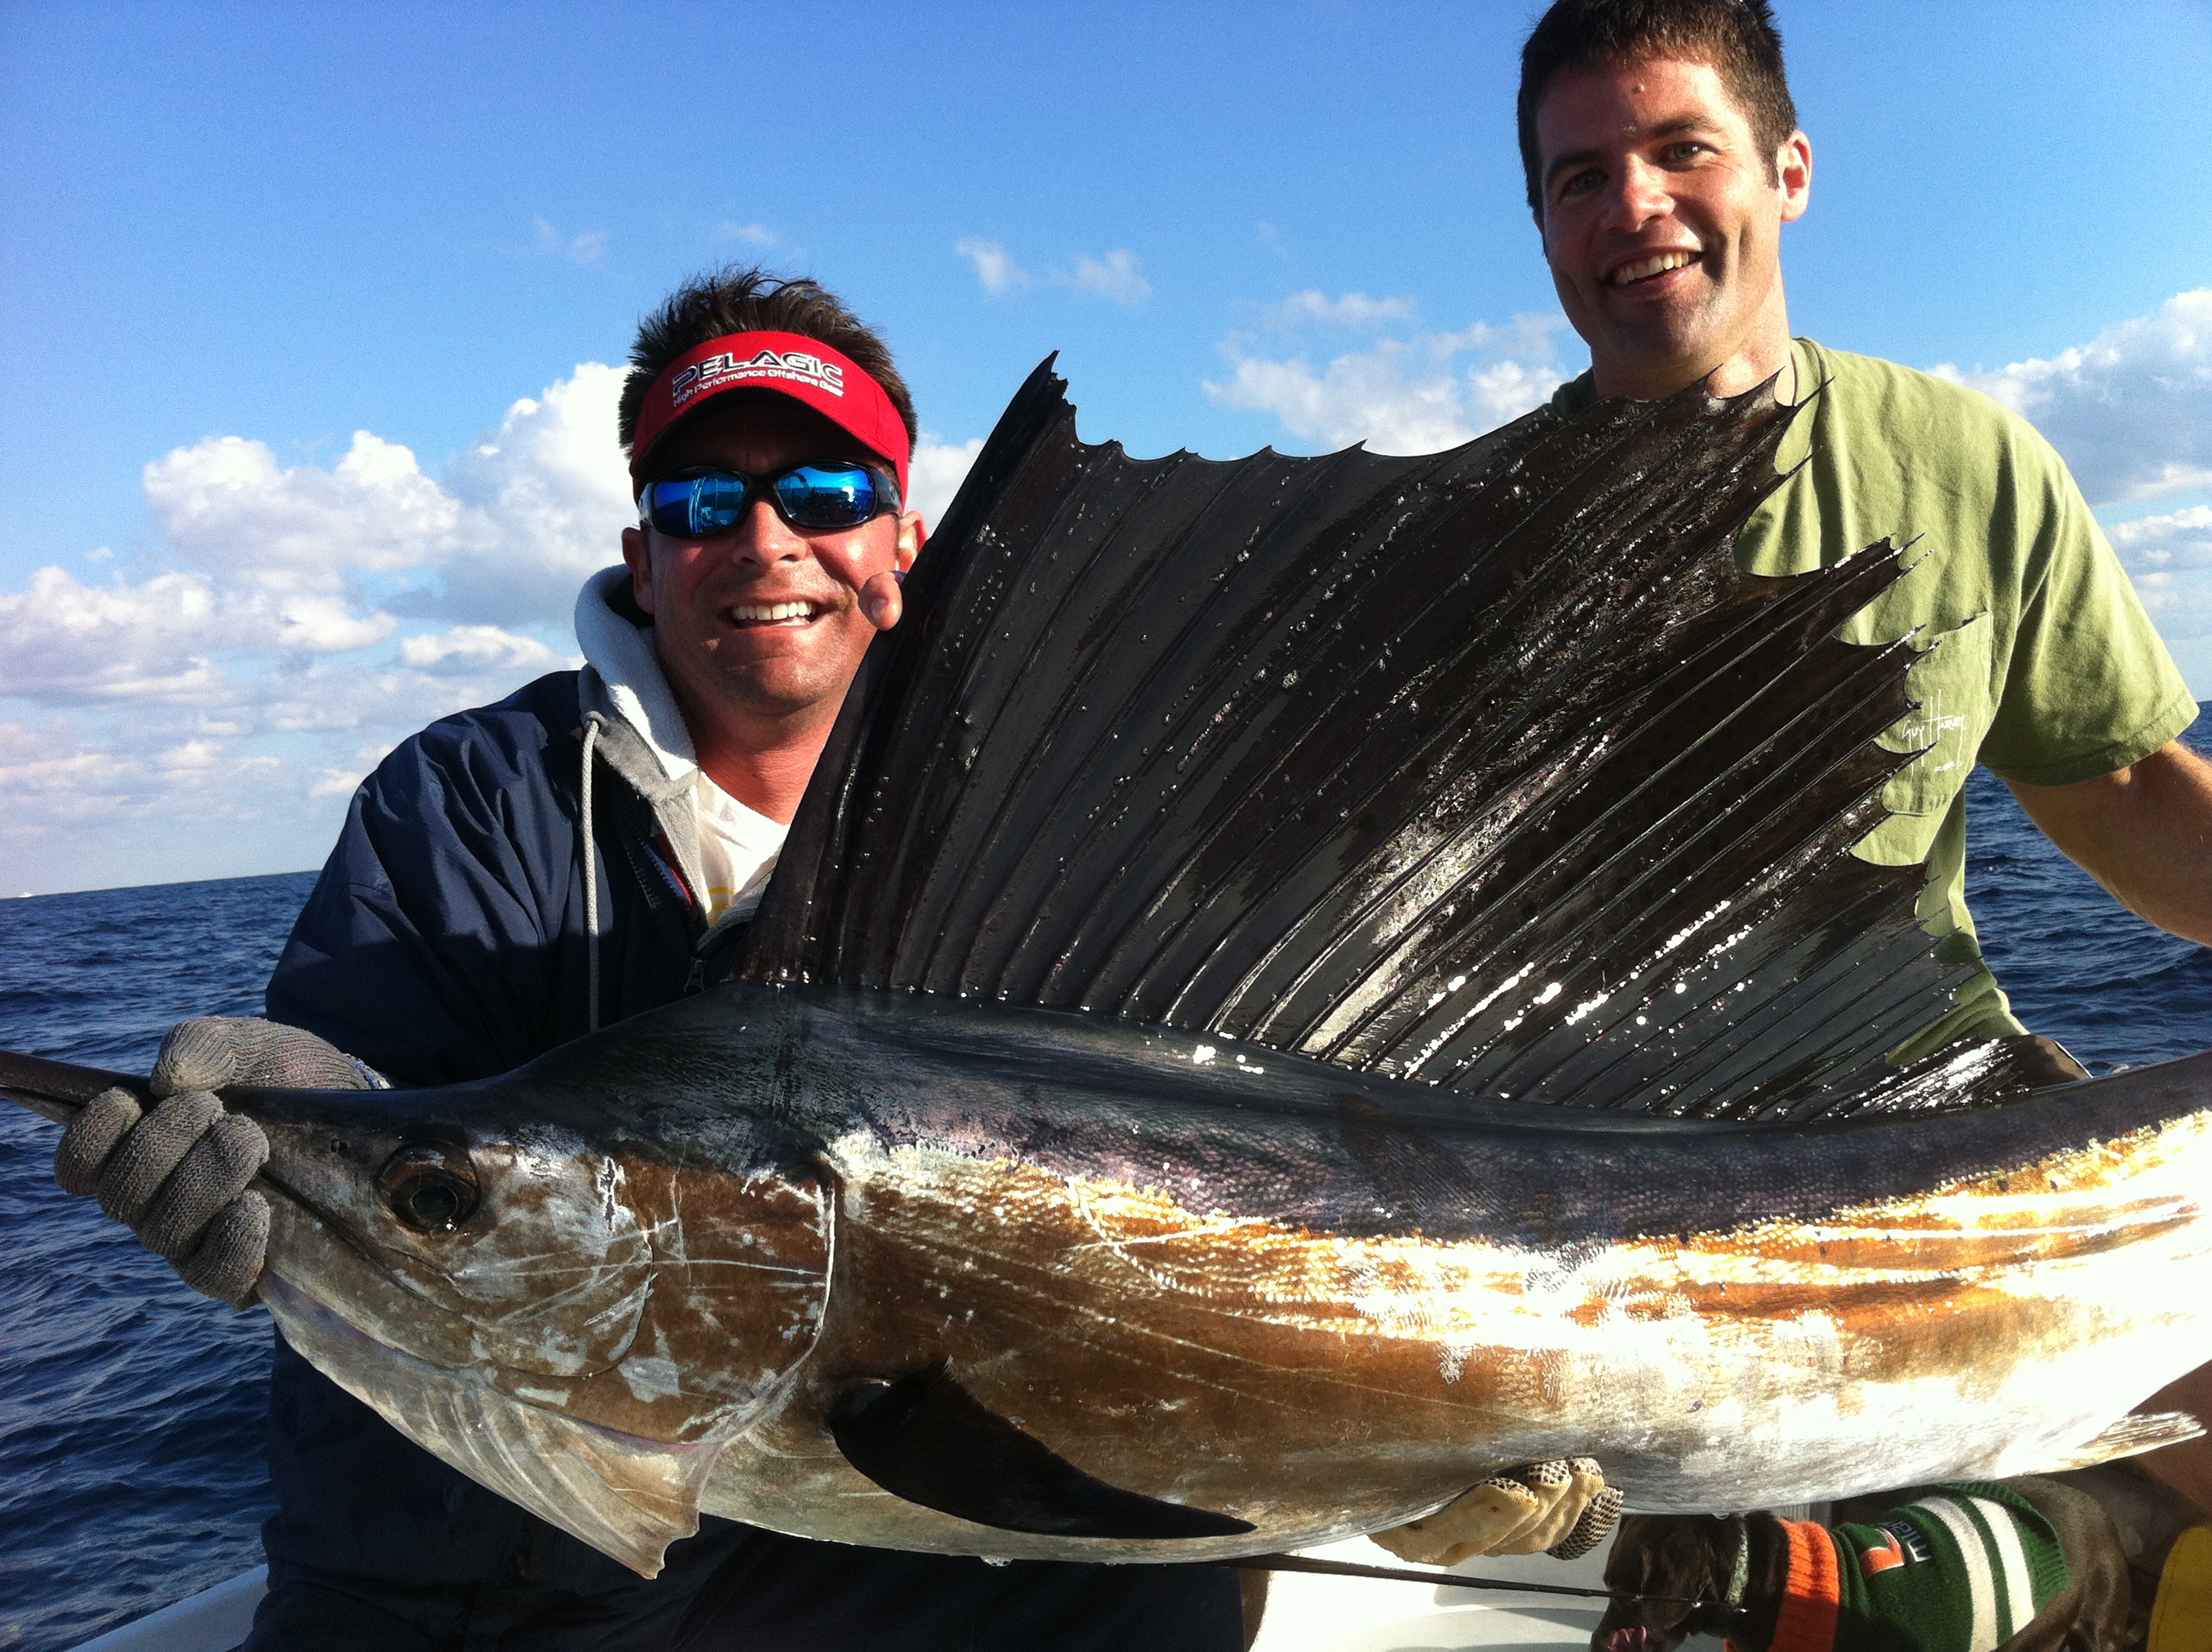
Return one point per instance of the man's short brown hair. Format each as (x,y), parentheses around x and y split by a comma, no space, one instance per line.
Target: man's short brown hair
(1737,37)
(741,298)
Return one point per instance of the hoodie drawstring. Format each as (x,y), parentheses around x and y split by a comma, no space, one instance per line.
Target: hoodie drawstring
(593,722)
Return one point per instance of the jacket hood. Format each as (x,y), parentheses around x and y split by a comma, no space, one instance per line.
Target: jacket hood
(620,652)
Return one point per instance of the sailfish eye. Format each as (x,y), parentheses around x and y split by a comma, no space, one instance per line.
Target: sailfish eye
(430,1186)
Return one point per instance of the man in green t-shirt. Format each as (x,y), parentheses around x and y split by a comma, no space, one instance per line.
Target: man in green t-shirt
(1663,157)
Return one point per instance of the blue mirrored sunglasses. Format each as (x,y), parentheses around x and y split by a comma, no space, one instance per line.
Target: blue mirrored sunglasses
(694,504)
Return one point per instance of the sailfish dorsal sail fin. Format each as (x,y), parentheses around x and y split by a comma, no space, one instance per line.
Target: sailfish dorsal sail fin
(1486,767)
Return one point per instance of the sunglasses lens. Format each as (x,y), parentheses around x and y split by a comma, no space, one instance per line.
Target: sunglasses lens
(826,495)
(695,507)
(708,502)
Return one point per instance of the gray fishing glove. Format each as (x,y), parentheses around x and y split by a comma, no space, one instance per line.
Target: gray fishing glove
(177,1175)
(1563,1508)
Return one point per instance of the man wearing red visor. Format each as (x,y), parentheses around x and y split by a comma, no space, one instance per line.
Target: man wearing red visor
(515,876)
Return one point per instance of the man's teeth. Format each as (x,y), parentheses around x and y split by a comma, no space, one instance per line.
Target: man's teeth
(746,612)
(1644,267)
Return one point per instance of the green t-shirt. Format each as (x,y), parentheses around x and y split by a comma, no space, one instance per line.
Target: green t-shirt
(2038,658)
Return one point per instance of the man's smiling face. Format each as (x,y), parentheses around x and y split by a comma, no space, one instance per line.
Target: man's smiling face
(1662,222)
(763,624)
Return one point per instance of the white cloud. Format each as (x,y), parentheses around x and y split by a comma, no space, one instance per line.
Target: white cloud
(322,625)
(63,643)
(293,618)
(61,640)
(2169,557)
(751,234)
(52,779)
(225,505)
(1312,308)
(341,781)
(995,266)
(2180,539)
(46,767)
(2131,409)
(936,472)
(1415,395)
(542,500)
(482,647)
(200,764)
(1113,277)
(585,249)
(506,538)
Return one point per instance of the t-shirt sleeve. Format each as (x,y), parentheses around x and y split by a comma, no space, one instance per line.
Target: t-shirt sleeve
(2089,687)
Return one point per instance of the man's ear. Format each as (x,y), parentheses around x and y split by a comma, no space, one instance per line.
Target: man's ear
(910,537)
(1793,170)
(640,567)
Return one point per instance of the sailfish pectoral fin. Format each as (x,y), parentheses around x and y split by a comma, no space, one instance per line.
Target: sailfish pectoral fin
(2132,1436)
(925,1438)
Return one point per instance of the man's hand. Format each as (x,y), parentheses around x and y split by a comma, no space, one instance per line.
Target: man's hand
(177,1175)
(2144,832)
(882,601)
(1563,1508)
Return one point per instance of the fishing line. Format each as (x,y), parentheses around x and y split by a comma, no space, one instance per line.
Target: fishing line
(1406,1575)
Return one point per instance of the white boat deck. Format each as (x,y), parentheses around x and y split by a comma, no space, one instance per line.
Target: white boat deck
(1308,1613)
(214,1620)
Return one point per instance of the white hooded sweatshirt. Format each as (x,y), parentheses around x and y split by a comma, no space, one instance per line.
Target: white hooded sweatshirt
(737,845)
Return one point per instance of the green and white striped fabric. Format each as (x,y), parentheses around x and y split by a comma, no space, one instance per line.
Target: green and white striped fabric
(1961,1568)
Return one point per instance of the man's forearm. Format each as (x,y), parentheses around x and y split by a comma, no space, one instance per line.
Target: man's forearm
(2145,833)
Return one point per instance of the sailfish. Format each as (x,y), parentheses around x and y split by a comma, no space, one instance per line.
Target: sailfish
(1299,983)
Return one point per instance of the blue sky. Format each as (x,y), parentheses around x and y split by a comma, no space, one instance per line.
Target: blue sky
(232,237)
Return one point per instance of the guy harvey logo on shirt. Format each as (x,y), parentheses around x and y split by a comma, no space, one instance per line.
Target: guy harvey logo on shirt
(717,370)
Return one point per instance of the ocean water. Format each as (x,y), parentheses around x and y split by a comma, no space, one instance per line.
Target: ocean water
(130,1457)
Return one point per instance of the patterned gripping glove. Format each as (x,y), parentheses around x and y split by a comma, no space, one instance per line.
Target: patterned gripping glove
(177,1175)
(1563,1508)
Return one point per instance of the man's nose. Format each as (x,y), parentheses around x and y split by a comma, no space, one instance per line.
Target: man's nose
(764,538)
(1639,194)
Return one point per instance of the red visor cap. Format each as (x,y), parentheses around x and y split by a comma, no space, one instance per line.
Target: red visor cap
(806,370)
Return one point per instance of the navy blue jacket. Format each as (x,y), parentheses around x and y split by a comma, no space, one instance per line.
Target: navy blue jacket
(445,941)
